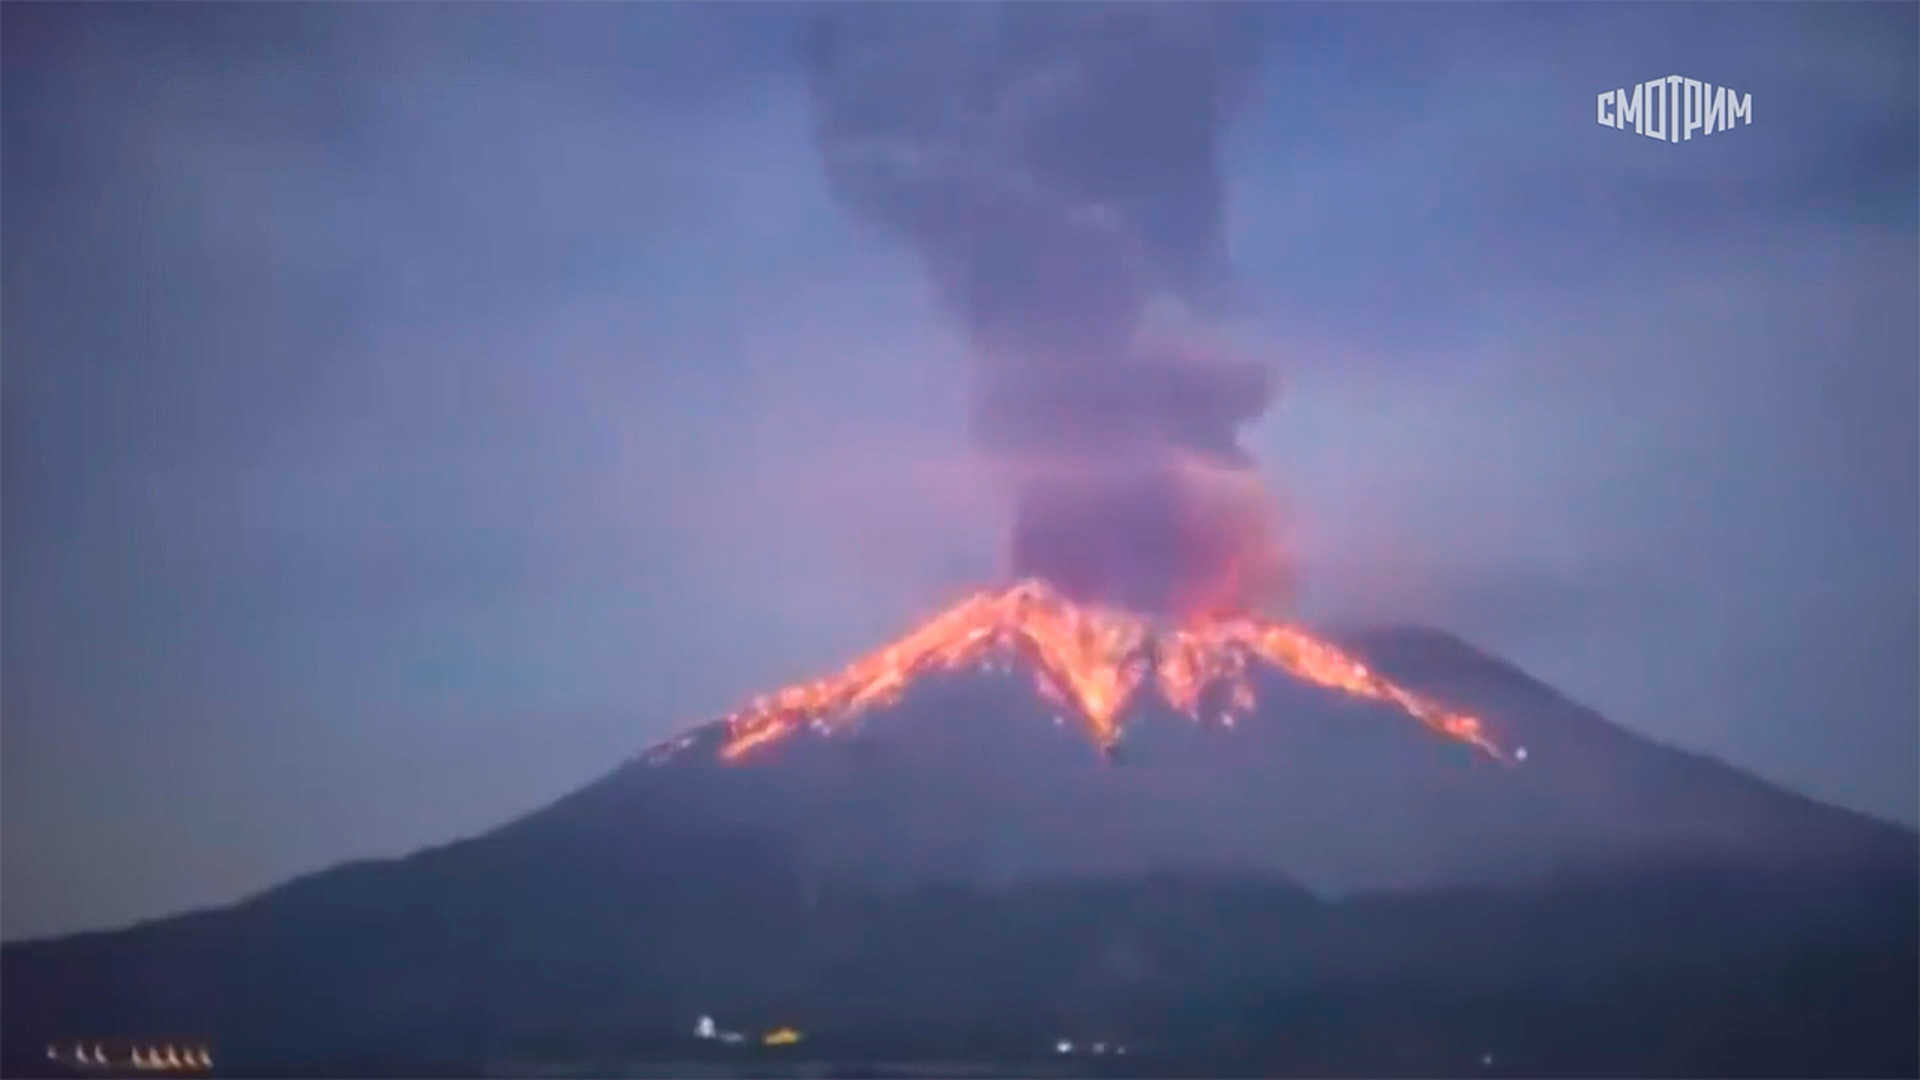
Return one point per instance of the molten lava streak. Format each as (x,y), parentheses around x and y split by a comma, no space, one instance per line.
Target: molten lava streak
(1091,662)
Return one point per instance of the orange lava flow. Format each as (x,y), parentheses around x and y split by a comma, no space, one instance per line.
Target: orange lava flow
(1091,662)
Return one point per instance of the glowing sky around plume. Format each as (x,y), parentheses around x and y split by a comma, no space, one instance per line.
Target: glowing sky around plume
(412,411)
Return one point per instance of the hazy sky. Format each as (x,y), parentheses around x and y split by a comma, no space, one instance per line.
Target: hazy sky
(410,412)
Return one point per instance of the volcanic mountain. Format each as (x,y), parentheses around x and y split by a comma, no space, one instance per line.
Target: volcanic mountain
(1021,733)
(1252,848)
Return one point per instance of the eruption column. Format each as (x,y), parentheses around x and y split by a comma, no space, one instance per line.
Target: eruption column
(1055,167)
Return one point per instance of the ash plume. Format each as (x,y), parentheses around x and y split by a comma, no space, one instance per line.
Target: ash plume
(1056,169)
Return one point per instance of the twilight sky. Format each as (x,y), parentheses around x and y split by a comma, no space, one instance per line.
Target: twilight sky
(412,411)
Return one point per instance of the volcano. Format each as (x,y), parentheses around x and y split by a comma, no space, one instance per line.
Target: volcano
(1020,732)
(1242,847)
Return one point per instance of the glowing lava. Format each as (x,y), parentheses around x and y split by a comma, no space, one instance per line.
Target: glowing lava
(1091,662)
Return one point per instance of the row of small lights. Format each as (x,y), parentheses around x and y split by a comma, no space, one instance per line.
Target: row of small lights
(157,1059)
(706,1029)
(1065,1046)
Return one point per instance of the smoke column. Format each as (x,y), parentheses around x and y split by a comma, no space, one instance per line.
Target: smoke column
(1056,169)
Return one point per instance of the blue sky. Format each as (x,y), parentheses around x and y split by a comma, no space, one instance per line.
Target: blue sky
(411,411)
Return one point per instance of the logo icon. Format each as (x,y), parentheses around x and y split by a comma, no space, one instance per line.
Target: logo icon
(1674,108)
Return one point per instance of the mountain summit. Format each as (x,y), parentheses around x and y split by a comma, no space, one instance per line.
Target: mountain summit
(1021,733)
(1098,665)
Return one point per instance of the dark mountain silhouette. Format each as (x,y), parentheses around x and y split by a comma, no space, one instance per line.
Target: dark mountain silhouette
(1313,884)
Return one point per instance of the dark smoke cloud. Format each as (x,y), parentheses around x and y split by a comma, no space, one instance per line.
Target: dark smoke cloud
(1056,168)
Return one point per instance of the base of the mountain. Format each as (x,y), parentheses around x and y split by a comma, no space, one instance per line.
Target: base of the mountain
(1659,974)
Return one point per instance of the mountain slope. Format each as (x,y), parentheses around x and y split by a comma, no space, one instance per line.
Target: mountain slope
(588,953)
(1628,787)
